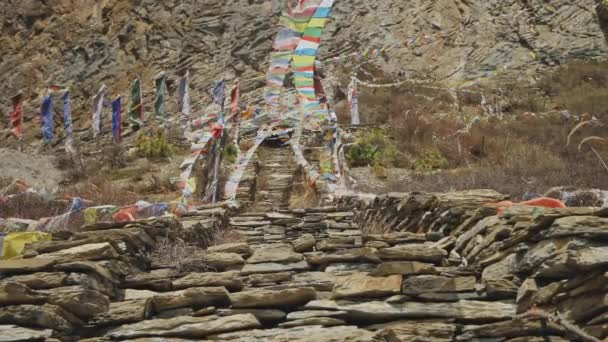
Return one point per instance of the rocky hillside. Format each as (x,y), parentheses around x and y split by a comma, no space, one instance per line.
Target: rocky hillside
(82,43)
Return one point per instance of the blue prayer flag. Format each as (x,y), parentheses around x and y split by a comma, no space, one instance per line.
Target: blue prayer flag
(117,120)
(218,93)
(46,113)
(67,114)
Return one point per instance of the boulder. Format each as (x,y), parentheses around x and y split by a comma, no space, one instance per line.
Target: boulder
(196,297)
(119,313)
(364,254)
(14,333)
(157,280)
(185,327)
(82,302)
(42,316)
(229,280)
(92,251)
(302,334)
(317,321)
(274,268)
(396,238)
(277,253)
(416,285)
(413,252)
(320,281)
(21,266)
(361,285)
(222,261)
(297,315)
(268,278)
(273,299)
(404,268)
(266,316)
(241,248)
(421,330)
(12,293)
(40,280)
(304,243)
(463,310)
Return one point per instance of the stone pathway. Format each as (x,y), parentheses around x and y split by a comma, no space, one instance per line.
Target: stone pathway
(274,178)
(319,275)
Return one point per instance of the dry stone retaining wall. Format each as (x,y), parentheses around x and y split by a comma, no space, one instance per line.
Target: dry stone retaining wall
(423,267)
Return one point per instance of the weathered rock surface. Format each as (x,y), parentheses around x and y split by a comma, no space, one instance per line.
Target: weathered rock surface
(186,327)
(268,299)
(360,285)
(229,280)
(279,253)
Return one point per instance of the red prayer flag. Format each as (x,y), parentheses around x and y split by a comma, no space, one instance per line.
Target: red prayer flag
(17,116)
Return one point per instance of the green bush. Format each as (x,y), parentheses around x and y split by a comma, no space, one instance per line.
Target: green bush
(430,160)
(156,146)
(230,153)
(375,149)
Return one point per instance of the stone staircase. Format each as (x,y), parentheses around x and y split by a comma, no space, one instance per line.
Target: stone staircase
(274,178)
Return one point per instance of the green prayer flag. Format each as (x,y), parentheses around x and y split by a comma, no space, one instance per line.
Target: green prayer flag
(159,103)
(136,110)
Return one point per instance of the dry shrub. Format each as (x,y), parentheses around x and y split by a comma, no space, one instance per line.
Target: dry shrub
(512,145)
(101,191)
(32,207)
(114,156)
(5,181)
(180,256)
(158,185)
(304,197)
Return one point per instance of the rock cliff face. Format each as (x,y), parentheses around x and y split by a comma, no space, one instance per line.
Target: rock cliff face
(82,43)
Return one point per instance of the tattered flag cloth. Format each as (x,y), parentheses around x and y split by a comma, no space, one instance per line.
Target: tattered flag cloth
(160,112)
(67,114)
(17,115)
(353,100)
(57,88)
(117,120)
(235,95)
(98,110)
(136,111)
(218,93)
(184,95)
(46,114)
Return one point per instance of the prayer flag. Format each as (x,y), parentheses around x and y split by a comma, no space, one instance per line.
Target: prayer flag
(136,111)
(234,98)
(46,113)
(17,116)
(353,100)
(67,114)
(117,120)
(98,110)
(184,95)
(160,111)
(218,93)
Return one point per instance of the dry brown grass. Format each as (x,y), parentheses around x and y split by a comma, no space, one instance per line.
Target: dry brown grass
(101,191)
(32,207)
(519,151)
(304,197)
(180,256)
